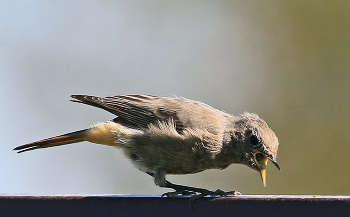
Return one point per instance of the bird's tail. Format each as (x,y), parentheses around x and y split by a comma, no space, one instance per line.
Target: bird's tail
(107,133)
(74,137)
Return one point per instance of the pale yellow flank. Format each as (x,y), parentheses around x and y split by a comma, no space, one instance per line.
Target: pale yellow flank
(110,133)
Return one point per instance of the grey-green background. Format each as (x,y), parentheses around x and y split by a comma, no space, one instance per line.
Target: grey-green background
(288,61)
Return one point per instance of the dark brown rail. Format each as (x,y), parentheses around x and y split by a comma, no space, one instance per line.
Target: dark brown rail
(155,205)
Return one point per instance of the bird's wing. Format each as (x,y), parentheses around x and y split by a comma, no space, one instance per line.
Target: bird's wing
(142,110)
(139,110)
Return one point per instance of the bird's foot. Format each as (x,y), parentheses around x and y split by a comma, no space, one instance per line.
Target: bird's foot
(223,193)
(179,193)
(196,193)
(218,192)
(201,193)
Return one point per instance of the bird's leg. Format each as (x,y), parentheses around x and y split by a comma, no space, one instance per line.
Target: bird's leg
(159,179)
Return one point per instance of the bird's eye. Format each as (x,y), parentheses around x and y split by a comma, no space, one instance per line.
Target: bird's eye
(253,140)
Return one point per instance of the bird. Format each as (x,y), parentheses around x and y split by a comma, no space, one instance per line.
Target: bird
(175,135)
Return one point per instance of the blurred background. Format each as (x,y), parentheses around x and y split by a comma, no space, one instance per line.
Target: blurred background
(288,61)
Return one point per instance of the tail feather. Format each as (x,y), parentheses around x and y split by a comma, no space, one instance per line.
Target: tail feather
(74,137)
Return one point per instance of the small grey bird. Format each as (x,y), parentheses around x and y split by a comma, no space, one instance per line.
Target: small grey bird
(162,135)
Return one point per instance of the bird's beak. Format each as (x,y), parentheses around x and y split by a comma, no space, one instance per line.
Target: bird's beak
(261,161)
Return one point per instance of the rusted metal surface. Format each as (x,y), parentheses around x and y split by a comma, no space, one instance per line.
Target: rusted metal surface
(155,205)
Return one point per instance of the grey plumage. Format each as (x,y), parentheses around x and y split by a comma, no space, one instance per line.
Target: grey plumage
(162,135)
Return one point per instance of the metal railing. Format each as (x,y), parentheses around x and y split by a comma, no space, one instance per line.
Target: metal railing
(155,205)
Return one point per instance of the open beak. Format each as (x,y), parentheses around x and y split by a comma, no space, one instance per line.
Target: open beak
(261,161)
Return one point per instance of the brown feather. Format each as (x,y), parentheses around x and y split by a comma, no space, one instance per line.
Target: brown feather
(74,137)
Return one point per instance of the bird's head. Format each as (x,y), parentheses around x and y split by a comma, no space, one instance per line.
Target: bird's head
(259,143)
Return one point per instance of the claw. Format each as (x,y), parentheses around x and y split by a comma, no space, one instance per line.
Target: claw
(218,192)
(179,193)
(224,194)
(193,198)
